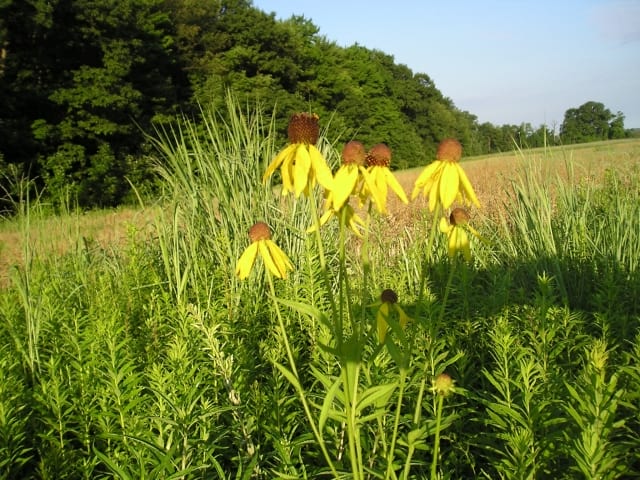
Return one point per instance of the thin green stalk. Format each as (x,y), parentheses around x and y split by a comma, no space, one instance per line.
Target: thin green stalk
(426,259)
(396,423)
(353,434)
(445,297)
(323,267)
(294,370)
(436,440)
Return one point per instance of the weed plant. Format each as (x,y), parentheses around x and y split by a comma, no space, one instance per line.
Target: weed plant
(375,356)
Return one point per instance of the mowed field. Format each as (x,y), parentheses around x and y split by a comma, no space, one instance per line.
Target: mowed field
(491,175)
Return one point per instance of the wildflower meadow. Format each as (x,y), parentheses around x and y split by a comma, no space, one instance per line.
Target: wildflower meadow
(274,325)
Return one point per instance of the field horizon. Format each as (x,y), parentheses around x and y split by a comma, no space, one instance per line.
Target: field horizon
(491,174)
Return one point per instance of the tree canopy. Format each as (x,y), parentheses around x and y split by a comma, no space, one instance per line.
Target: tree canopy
(81,81)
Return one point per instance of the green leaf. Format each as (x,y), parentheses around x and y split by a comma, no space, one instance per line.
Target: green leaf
(293,380)
(377,396)
(327,410)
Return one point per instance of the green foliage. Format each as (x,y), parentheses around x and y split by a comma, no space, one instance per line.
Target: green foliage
(591,122)
(151,360)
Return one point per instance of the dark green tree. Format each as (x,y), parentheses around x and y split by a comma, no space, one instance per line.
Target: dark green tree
(587,123)
(85,77)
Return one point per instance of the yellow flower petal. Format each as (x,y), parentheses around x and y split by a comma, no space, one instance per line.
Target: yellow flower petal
(320,168)
(452,244)
(268,259)
(246,261)
(381,321)
(324,219)
(280,259)
(287,174)
(403,317)
(391,180)
(273,166)
(377,188)
(465,186)
(449,182)
(354,222)
(426,176)
(344,182)
(445,226)
(434,195)
(301,169)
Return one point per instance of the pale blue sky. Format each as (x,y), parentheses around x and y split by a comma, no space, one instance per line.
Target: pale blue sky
(505,61)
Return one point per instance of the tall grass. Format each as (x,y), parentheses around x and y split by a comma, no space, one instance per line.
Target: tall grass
(153,361)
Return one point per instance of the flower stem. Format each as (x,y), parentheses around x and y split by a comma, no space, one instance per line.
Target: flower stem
(396,423)
(436,440)
(298,386)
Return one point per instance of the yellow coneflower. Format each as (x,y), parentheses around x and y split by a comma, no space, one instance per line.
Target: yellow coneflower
(388,304)
(444,180)
(456,231)
(301,163)
(378,161)
(348,181)
(350,177)
(273,257)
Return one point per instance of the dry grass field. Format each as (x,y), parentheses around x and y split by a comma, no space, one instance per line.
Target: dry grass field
(491,176)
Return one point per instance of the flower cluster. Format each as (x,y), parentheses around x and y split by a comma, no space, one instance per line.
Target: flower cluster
(364,176)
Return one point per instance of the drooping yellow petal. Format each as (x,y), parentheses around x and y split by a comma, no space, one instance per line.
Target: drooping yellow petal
(467,188)
(275,164)
(280,258)
(344,182)
(452,243)
(445,226)
(301,169)
(320,168)
(377,188)
(449,183)
(246,261)
(426,176)
(324,219)
(354,222)
(395,185)
(381,321)
(402,316)
(287,174)
(265,254)
(434,193)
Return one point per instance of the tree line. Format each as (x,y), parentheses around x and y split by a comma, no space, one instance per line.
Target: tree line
(81,81)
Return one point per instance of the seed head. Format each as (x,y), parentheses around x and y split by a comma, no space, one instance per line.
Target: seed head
(379,155)
(260,231)
(353,153)
(459,216)
(449,149)
(443,385)
(388,296)
(304,128)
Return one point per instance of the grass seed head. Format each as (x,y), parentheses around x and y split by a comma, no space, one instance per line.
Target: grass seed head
(449,149)
(379,155)
(354,153)
(304,128)
(260,231)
